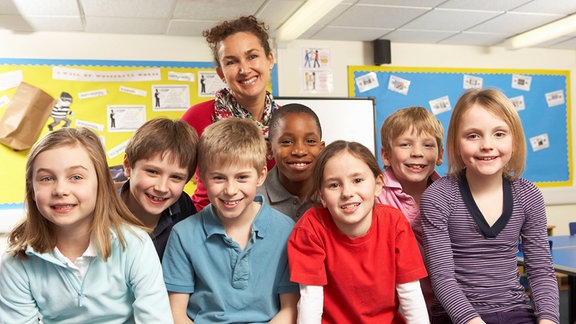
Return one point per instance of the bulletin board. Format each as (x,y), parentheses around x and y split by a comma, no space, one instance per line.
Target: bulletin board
(113,98)
(541,97)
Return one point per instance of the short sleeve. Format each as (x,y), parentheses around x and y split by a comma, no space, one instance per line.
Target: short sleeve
(306,254)
(176,265)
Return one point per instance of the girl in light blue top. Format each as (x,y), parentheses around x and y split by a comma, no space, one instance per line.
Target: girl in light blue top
(79,256)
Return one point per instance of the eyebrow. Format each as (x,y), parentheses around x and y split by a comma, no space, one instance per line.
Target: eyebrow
(72,168)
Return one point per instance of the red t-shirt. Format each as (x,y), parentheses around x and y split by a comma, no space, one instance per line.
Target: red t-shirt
(360,274)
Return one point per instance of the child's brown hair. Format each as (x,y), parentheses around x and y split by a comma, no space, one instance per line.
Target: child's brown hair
(164,136)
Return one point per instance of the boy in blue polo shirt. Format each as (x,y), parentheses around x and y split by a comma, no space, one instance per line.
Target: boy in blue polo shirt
(228,263)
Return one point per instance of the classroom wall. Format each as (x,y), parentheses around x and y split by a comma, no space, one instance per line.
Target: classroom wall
(561,202)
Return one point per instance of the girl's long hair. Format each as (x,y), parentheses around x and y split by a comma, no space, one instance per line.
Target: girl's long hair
(110,212)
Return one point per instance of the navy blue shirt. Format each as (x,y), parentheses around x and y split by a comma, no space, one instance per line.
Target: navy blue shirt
(181,209)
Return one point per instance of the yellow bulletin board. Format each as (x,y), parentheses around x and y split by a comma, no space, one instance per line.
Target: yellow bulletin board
(130,92)
(541,97)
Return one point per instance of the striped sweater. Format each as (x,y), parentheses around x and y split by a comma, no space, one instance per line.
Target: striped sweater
(473,270)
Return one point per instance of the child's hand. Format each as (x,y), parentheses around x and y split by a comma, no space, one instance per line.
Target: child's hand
(476,320)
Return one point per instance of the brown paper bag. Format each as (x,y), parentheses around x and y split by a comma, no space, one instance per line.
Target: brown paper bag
(25,116)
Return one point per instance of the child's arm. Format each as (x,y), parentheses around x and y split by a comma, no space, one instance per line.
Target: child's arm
(288,309)
(541,278)
(16,302)
(311,304)
(179,304)
(412,302)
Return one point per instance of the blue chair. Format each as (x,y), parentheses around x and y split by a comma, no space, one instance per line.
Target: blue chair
(572,226)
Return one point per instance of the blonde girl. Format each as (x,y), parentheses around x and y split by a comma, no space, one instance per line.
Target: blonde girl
(474,218)
(79,256)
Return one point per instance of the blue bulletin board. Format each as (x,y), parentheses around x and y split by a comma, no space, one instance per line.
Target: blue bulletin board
(542,98)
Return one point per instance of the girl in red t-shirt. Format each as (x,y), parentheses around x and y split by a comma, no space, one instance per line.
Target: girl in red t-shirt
(356,261)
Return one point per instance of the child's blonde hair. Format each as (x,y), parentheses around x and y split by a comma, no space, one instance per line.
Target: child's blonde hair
(418,119)
(110,213)
(499,105)
(357,150)
(231,141)
(165,137)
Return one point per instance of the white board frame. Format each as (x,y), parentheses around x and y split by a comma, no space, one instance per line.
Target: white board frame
(350,119)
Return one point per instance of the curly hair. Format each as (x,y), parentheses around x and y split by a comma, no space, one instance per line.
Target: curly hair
(249,24)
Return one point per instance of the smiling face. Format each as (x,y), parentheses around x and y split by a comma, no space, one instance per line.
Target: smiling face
(413,157)
(245,67)
(348,190)
(65,188)
(295,144)
(231,189)
(155,184)
(485,143)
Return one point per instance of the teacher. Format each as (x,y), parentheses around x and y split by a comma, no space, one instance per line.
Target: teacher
(244,61)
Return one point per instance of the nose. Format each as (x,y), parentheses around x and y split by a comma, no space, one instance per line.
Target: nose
(161,184)
(347,191)
(416,151)
(299,149)
(231,188)
(60,189)
(486,144)
(242,66)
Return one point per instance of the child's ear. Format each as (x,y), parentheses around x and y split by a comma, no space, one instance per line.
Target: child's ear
(379,185)
(269,154)
(385,158)
(126,165)
(262,176)
(440,157)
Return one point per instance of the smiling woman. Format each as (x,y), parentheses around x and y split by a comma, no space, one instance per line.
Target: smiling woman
(243,60)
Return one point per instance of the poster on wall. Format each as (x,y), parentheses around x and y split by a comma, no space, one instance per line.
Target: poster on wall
(113,98)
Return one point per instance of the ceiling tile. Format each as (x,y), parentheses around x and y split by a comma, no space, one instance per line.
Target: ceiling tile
(404,3)
(40,7)
(500,5)
(125,25)
(376,16)
(128,8)
(274,13)
(214,9)
(563,7)
(474,38)
(349,33)
(417,36)
(513,23)
(447,19)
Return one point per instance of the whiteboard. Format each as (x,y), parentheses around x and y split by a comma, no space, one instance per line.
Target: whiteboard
(350,119)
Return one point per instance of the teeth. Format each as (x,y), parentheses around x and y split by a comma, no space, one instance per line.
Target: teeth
(350,206)
(416,166)
(63,206)
(156,198)
(249,81)
(235,202)
(301,164)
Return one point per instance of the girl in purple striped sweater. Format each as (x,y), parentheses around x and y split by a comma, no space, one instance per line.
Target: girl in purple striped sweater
(474,218)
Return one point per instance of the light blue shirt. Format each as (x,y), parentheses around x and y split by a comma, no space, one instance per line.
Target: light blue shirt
(229,284)
(127,288)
